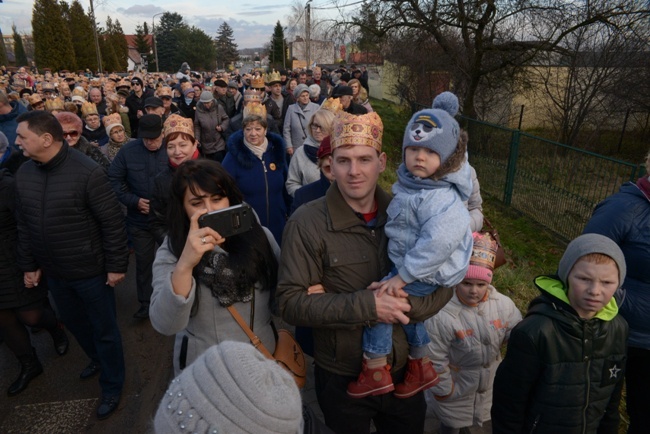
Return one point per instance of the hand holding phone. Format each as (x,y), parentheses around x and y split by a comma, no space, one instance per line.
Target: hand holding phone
(230,221)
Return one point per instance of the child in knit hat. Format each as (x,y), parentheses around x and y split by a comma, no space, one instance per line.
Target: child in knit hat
(466,340)
(430,242)
(564,369)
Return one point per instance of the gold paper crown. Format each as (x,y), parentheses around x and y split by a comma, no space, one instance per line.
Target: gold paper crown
(88,108)
(54,104)
(332,104)
(257,82)
(252,95)
(109,86)
(95,82)
(178,124)
(79,94)
(34,99)
(255,109)
(484,251)
(112,119)
(123,83)
(273,77)
(164,91)
(48,87)
(365,130)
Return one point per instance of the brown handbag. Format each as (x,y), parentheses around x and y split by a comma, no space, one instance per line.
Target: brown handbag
(287,354)
(500,257)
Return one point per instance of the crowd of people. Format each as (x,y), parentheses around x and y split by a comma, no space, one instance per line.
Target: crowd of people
(392,295)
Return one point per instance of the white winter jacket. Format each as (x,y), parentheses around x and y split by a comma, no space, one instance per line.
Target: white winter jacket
(466,351)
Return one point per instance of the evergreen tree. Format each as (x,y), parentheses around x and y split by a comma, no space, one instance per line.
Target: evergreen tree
(225,45)
(52,40)
(110,61)
(276,48)
(19,49)
(197,47)
(3,51)
(141,43)
(120,46)
(169,56)
(145,28)
(83,37)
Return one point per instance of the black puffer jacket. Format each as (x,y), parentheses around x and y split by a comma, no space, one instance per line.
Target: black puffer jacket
(12,290)
(561,374)
(69,221)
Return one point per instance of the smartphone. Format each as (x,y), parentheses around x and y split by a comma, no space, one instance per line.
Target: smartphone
(230,221)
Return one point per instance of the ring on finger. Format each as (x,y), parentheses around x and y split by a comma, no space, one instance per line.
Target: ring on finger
(203,240)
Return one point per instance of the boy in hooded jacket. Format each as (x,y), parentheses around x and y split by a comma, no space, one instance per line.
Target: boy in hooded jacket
(564,368)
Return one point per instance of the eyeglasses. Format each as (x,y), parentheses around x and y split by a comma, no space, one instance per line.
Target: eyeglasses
(71,134)
(135,83)
(316,127)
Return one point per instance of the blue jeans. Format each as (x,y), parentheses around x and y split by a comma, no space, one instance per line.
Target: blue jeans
(378,339)
(87,308)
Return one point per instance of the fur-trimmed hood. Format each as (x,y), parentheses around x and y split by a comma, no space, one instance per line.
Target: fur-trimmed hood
(245,157)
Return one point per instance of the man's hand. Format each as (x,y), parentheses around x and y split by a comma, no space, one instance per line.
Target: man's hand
(32,278)
(143,205)
(391,309)
(113,279)
(316,289)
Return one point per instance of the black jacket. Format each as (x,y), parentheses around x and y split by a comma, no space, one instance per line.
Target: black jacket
(135,103)
(69,221)
(159,202)
(561,374)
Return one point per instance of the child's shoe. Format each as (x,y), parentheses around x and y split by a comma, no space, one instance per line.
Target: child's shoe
(371,381)
(420,375)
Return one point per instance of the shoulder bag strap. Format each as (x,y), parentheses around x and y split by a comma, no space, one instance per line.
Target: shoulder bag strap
(257,343)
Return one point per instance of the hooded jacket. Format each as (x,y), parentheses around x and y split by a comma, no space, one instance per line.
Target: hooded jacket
(205,127)
(428,227)
(561,374)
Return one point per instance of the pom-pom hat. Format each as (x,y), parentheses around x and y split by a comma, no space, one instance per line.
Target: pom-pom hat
(435,128)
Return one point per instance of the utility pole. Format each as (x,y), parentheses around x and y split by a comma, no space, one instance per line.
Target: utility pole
(99,54)
(308,32)
(155,44)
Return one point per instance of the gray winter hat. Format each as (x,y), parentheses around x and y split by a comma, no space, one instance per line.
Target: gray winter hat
(300,89)
(586,244)
(435,128)
(206,96)
(231,388)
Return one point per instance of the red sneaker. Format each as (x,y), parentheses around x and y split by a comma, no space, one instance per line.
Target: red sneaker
(371,381)
(420,375)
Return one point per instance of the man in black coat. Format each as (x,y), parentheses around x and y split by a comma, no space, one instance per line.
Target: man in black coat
(344,94)
(135,103)
(71,233)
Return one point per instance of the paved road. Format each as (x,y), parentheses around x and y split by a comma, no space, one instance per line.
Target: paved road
(58,402)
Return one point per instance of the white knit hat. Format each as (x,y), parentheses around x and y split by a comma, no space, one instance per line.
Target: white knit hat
(231,388)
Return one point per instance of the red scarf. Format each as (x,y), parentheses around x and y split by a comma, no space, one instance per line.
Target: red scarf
(195,155)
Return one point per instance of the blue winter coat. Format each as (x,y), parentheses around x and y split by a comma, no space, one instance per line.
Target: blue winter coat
(625,218)
(428,227)
(132,174)
(261,181)
(8,123)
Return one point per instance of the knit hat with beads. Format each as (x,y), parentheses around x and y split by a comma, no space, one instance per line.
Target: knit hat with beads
(231,388)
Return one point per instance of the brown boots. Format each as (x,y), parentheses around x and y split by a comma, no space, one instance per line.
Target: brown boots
(375,379)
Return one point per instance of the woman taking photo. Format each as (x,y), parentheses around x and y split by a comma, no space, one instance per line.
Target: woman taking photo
(181,146)
(256,161)
(198,274)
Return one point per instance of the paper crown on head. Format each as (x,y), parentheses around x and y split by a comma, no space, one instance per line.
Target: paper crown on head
(79,94)
(252,95)
(123,83)
(95,82)
(164,91)
(257,82)
(54,104)
(111,121)
(273,77)
(332,104)
(109,86)
(34,99)
(481,263)
(364,130)
(88,108)
(255,109)
(178,124)
(49,87)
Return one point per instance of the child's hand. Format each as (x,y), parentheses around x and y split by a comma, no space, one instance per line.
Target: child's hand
(316,289)
(393,286)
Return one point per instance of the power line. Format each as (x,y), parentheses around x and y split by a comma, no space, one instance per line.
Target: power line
(339,6)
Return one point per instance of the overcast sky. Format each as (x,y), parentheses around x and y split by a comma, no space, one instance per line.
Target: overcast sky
(252,22)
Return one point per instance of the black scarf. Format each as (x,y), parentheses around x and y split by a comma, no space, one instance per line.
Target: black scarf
(215,272)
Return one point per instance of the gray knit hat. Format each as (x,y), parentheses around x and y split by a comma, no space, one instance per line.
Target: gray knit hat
(586,244)
(435,128)
(206,96)
(300,89)
(231,388)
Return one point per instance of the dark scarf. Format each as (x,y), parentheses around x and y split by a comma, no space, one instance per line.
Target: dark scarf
(215,272)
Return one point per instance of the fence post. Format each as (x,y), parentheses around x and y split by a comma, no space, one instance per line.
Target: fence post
(512,167)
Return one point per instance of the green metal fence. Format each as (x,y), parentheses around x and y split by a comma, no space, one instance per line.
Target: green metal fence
(554,184)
